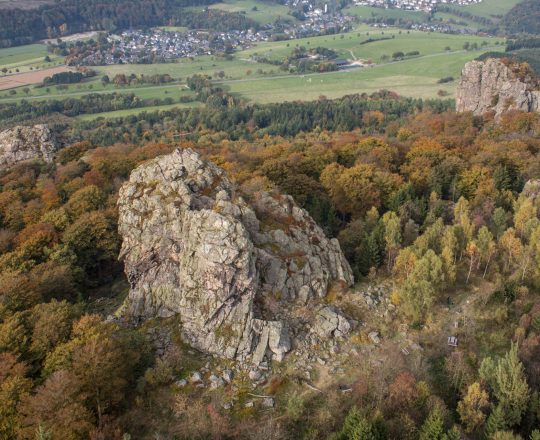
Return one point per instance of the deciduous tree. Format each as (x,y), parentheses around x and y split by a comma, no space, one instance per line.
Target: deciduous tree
(472,407)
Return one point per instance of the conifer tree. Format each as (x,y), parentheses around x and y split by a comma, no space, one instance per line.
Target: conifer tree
(512,390)
(496,422)
(433,427)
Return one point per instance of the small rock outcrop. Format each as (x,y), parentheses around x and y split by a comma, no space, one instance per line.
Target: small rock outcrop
(497,86)
(232,271)
(531,189)
(331,323)
(22,143)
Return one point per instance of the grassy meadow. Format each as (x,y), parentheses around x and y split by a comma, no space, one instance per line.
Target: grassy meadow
(489,8)
(368,12)
(414,77)
(492,9)
(261,12)
(27,58)
(349,45)
(135,111)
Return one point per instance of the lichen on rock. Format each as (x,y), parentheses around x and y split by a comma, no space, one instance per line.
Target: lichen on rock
(23,143)
(193,247)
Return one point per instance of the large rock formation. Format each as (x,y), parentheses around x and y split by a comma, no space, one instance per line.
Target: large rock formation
(231,270)
(497,86)
(27,143)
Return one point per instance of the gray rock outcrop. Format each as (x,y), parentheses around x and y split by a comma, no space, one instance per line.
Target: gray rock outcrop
(331,323)
(22,143)
(497,86)
(232,271)
(531,189)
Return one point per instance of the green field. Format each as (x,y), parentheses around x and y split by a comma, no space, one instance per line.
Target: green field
(24,57)
(415,77)
(174,91)
(367,12)
(260,82)
(135,111)
(261,12)
(348,45)
(489,8)
(235,69)
(21,54)
(173,28)
(447,17)
(492,9)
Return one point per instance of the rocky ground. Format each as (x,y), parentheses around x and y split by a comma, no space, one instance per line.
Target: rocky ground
(328,354)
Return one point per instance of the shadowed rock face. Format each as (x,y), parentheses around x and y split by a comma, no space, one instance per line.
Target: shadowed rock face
(26,143)
(496,86)
(193,248)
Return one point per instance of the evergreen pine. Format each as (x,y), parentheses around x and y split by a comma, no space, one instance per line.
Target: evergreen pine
(433,427)
(496,422)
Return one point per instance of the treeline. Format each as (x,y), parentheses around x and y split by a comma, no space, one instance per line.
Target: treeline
(121,79)
(18,26)
(373,40)
(68,77)
(64,78)
(484,21)
(302,60)
(92,103)
(529,56)
(370,113)
(402,22)
(524,18)
(215,20)
(522,43)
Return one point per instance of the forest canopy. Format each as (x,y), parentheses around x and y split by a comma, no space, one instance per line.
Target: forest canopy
(523,18)
(433,202)
(23,26)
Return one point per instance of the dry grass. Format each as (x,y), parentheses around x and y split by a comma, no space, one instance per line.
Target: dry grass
(25,79)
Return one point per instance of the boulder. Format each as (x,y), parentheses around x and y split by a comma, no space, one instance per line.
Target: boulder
(193,248)
(227,376)
(195,377)
(268,402)
(331,323)
(23,143)
(374,337)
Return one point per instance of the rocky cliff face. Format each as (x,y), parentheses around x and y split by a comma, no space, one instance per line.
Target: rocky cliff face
(232,271)
(26,143)
(497,86)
